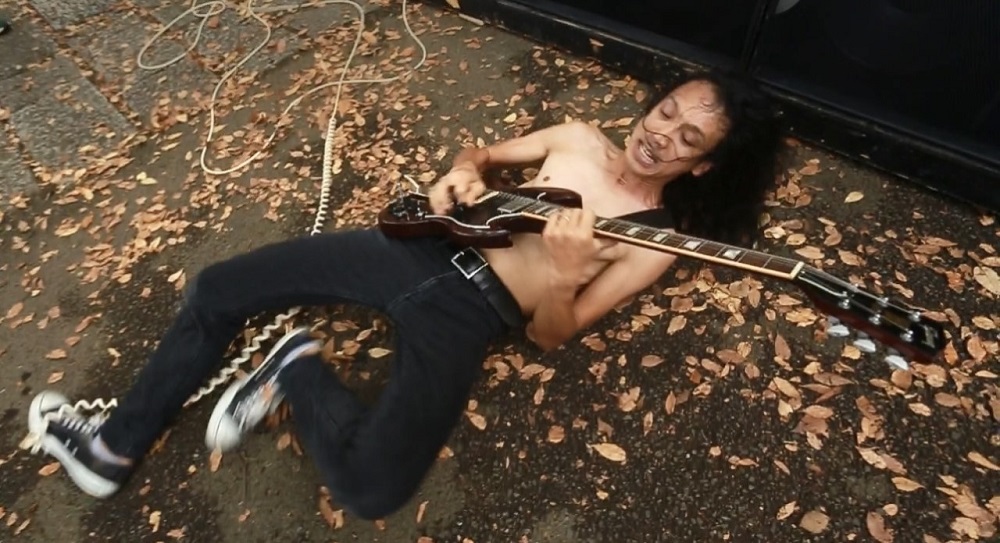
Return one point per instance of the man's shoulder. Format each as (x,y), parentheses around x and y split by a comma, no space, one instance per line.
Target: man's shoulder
(575,135)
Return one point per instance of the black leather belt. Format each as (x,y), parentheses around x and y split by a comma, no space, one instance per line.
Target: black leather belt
(475,268)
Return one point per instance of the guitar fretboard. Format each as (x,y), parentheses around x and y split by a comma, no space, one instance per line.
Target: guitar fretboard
(656,238)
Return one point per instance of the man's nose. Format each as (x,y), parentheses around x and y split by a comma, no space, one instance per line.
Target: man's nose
(659,139)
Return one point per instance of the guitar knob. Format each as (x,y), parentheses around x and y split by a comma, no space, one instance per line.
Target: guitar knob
(838,330)
(865,345)
(897,362)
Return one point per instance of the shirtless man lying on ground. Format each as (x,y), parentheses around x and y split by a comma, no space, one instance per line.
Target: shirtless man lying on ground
(704,154)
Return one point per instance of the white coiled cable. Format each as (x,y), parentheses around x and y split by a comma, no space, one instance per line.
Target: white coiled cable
(100,407)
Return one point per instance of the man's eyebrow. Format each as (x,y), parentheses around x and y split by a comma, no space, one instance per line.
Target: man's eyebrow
(687,126)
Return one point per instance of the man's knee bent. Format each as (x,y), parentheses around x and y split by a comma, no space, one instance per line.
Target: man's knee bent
(201,295)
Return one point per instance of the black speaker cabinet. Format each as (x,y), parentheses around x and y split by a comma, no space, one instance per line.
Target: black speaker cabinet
(908,86)
(928,69)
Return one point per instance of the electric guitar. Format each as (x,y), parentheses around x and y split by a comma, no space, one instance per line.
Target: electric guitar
(496,215)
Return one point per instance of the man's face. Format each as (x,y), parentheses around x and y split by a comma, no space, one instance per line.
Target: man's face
(678,133)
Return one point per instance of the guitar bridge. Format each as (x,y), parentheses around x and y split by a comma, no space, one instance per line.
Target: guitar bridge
(406,209)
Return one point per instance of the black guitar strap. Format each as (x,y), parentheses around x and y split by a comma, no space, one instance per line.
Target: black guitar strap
(656,218)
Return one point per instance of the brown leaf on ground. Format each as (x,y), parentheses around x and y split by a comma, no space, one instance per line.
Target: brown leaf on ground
(651,361)
(56,354)
(877,528)
(981,460)
(988,278)
(421,510)
(781,348)
(378,352)
(814,522)
(334,519)
(676,324)
(786,388)
(670,403)
(556,434)
(906,485)
(215,460)
(476,419)
(818,411)
(610,451)
(787,510)
(49,469)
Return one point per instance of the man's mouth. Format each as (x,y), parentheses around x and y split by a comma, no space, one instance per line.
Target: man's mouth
(646,153)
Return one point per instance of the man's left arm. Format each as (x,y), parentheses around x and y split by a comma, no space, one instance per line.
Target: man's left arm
(557,320)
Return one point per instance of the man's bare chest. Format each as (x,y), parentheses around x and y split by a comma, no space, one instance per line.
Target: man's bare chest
(592,180)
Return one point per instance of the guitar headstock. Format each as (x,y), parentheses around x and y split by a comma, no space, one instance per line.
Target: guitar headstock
(903,329)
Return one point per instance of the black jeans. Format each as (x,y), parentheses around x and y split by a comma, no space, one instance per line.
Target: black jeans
(372,459)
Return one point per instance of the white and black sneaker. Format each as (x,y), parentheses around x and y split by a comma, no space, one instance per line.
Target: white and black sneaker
(68,437)
(247,401)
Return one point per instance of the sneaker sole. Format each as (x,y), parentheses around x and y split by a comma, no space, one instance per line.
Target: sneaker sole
(222,433)
(92,484)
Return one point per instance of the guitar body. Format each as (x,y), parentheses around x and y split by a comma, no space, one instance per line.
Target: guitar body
(483,225)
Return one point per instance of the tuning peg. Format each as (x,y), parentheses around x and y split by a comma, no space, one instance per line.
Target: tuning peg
(897,361)
(838,330)
(835,329)
(865,345)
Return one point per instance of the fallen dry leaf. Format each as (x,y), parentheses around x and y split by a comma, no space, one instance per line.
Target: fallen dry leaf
(877,528)
(334,519)
(610,451)
(676,324)
(378,352)
(854,196)
(651,361)
(476,419)
(983,461)
(215,460)
(556,434)
(818,411)
(786,388)
(988,278)
(906,485)
(814,522)
(670,403)
(56,354)
(49,469)
(787,510)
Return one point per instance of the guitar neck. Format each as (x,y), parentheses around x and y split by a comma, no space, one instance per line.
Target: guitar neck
(658,239)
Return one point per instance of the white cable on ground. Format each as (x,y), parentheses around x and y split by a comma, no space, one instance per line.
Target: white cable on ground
(205,10)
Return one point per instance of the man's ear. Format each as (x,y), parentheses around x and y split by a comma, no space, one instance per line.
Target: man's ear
(701,169)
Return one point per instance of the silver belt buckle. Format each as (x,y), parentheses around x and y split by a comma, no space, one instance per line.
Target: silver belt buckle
(469,275)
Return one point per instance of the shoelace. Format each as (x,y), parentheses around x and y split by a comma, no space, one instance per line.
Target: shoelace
(79,425)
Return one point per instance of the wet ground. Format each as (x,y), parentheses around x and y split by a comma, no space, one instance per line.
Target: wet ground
(712,408)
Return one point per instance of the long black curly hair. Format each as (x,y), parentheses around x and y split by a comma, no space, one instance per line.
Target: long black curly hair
(725,203)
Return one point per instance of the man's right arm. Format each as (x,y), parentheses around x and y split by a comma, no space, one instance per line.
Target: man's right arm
(526,149)
(465,182)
